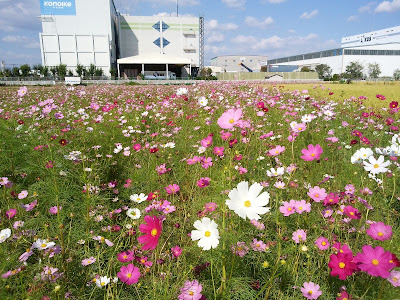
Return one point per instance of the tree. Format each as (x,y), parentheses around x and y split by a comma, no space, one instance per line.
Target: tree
(374,70)
(70,73)
(98,72)
(15,72)
(396,74)
(44,71)
(323,70)
(25,69)
(305,69)
(354,70)
(79,70)
(7,73)
(36,70)
(92,70)
(62,70)
(113,72)
(205,72)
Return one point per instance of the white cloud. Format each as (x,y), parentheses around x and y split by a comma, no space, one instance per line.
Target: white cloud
(25,41)
(19,15)
(388,6)
(274,1)
(309,15)
(215,25)
(367,7)
(292,31)
(253,22)
(215,37)
(352,18)
(173,14)
(234,3)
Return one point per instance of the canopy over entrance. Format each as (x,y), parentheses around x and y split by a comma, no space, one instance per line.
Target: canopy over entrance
(157,65)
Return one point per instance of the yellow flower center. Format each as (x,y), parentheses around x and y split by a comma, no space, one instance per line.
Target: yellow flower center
(125,256)
(142,261)
(289,209)
(129,275)
(316,195)
(380,234)
(376,166)
(300,128)
(89,261)
(394,279)
(103,283)
(154,232)
(301,207)
(352,213)
(207,233)
(342,265)
(310,292)
(43,245)
(247,203)
(191,293)
(231,121)
(323,243)
(138,199)
(375,262)
(313,154)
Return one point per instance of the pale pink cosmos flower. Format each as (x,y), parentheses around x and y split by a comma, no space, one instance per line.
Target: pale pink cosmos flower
(88,261)
(288,208)
(302,206)
(299,127)
(23,194)
(240,249)
(172,188)
(394,278)
(311,290)
(276,151)
(379,231)
(258,245)
(54,209)
(322,243)
(317,194)
(230,118)
(191,290)
(299,236)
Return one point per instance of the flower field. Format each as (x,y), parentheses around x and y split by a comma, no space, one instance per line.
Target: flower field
(208,191)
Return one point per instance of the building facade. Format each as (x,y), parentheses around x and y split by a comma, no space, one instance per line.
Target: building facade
(381,47)
(239,63)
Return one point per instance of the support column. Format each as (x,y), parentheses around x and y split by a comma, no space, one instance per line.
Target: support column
(166,73)
(143,69)
(190,71)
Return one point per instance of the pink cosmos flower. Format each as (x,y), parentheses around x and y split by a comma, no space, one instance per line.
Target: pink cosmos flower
(129,274)
(207,162)
(24,256)
(152,232)
(288,208)
(191,290)
(276,151)
(342,265)
(352,212)
(207,142)
(172,188)
(301,206)
(54,209)
(258,245)
(161,169)
(230,118)
(11,213)
(339,248)
(343,295)
(176,251)
(225,135)
(379,231)
(322,243)
(240,249)
(88,261)
(22,91)
(125,256)
(192,161)
(203,182)
(312,152)
(311,290)
(299,235)
(210,206)
(394,278)
(136,147)
(29,207)
(299,127)
(219,151)
(144,261)
(331,199)
(317,194)
(375,261)
(22,194)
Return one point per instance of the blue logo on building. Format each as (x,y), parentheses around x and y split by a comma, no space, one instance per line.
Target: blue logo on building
(63,8)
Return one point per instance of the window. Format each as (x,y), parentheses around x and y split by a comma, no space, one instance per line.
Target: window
(157,42)
(163,25)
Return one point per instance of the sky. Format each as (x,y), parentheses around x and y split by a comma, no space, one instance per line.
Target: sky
(274,28)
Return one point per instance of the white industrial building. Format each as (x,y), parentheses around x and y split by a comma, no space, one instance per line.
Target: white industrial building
(89,32)
(239,63)
(381,46)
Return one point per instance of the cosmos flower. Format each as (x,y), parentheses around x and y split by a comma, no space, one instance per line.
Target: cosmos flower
(88,261)
(5,234)
(317,194)
(133,213)
(311,290)
(152,232)
(191,290)
(342,265)
(129,274)
(230,118)
(376,166)
(247,202)
(312,152)
(379,231)
(206,233)
(299,236)
(322,243)
(138,198)
(375,261)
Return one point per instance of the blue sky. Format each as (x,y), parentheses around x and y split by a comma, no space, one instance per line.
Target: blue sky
(274,28)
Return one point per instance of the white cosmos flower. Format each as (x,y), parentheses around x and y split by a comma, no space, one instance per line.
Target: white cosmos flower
(43,244)
(277,172)
(133,213)
(181,91)
(203,101)
(5,234)
(394,150)
(207,233)
(383,151)
(356,158)
(376,166)
(365,153)
(138,198)
(247,202)
(102,281)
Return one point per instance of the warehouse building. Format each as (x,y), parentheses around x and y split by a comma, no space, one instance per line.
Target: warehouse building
(89,32)
(239,63)
(381,47)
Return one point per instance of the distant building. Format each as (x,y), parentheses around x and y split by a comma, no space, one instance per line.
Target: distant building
(89,32)
(381,47)
(239,63)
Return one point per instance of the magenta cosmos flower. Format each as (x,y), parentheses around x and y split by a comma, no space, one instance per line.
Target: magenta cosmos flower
(125,256)
(375,261)
(129,274)
(342,265)
(172,188)
(11,213)
(191,291)
(229,118)
(379,231)
(152,232)
(312,152)
(311,290)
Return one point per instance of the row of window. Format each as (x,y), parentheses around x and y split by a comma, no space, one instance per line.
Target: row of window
(334,52)
(164,26)
(158,42)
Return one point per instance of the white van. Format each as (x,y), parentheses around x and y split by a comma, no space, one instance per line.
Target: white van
(159,75)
